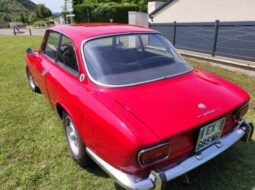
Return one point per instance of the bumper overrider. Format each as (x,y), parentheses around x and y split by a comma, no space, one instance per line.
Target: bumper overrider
(158,179)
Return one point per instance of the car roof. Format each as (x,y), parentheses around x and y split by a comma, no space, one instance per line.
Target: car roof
(81,32)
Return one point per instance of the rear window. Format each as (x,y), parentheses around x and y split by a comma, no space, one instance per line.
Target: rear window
(124,60)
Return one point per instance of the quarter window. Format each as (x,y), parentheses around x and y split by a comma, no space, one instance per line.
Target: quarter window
(52,45)
(66,55)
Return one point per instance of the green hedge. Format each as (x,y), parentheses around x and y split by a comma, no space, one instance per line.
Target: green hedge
(83,12)
(103,12)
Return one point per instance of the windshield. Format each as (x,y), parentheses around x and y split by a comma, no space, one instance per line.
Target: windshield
(129,59)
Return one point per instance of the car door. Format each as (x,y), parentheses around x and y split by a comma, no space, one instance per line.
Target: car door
(63,84)
(46,59)
(63,79)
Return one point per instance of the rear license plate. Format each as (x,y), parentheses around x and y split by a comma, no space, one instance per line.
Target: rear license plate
(209,134)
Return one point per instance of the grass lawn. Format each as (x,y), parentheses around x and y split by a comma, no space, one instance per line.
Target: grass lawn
(34,153)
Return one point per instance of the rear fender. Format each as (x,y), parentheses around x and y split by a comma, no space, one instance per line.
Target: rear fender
(75,117)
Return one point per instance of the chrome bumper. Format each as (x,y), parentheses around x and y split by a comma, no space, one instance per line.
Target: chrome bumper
(157,179)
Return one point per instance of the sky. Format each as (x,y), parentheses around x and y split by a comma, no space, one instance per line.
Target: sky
(53,5)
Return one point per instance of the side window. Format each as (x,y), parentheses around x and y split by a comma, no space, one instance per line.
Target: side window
(52,45)
(66,55)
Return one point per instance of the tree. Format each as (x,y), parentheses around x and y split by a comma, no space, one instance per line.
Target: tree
(42,11)
(7,18)
(22,18)
(17,19)
(31,18)
(76,2)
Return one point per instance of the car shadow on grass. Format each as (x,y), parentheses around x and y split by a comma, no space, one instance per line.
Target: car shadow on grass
(96,170)
(234,169)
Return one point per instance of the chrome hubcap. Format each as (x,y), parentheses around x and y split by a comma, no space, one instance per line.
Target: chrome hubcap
(31,81)
(72,136)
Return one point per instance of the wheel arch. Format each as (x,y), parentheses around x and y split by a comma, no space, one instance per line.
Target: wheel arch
(60,110)
(60,107)
(27,68)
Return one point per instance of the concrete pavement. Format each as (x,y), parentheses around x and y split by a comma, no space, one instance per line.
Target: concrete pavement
(25,31)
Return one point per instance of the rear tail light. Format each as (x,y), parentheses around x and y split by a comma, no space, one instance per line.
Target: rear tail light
(154,154)
(238,114)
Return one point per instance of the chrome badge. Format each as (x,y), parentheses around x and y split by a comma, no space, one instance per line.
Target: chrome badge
(208,112)
(202,106)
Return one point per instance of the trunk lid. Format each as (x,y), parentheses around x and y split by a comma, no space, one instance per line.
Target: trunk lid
(171,106)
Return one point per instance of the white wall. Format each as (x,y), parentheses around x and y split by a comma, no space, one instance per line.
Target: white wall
(138,18)
(206,11)
(152,5)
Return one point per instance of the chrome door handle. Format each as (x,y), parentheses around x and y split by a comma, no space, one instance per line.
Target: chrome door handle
(44,72)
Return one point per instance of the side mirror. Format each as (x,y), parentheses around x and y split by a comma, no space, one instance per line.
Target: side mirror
(30,51)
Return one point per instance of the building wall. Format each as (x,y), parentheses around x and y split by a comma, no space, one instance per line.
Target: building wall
(206,11)
(152,5)
(138,18)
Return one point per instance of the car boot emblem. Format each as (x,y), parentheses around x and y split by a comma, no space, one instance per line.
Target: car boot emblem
(202,106)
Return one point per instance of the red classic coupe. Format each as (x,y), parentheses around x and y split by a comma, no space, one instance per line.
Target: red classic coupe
(130,102)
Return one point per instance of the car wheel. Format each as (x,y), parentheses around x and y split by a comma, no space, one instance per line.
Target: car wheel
(118,187)
(32,83)
(76,146)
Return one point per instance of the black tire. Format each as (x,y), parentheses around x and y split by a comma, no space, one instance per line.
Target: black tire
(77,148)
(31,82)
(118,187)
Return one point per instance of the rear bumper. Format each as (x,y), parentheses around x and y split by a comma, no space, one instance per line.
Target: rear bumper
(157,179)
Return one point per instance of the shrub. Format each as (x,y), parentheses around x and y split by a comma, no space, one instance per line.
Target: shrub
(103,12)
(40,23)
(83,12)
(12,24)
(31,18)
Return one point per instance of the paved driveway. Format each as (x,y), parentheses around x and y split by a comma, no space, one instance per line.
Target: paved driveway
(25,31)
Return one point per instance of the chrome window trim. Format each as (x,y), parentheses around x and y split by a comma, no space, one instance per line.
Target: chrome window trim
(131,84)
(152,148)
(62,66)
(69,70)
(48,57)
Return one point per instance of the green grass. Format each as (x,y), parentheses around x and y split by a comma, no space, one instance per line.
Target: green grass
(34,153)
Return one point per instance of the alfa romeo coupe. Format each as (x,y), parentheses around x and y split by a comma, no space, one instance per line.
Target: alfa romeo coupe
(132,104)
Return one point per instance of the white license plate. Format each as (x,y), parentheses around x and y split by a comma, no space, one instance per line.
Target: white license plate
(209,134)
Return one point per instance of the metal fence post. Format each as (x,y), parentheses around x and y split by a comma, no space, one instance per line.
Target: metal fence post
(174,33)
(216,30)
